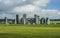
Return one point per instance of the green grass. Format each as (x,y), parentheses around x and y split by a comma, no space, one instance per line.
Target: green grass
(29,31)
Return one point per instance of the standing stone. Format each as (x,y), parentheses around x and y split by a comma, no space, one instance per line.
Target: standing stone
(42,20)
(47,21)
(24,18)
(6,22)
(17,19)
(36,19)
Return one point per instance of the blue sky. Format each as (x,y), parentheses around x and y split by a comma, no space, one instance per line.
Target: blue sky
(54,4)
(43,8)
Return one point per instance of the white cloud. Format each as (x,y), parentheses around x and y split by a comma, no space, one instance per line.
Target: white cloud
(6,15)
(24,0)
(59,13)
(30,7)
(41,2)
(49,11)
(33,8)
(9,4)
(26,9)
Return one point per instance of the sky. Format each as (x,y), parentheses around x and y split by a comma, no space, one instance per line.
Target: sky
(43,8)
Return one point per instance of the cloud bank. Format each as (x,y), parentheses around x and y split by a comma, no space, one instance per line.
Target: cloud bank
(30,7)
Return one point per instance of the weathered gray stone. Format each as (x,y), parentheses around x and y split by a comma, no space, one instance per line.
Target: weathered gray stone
(24,18)
(47,21)
(6,22)
(17,19)
(36,19)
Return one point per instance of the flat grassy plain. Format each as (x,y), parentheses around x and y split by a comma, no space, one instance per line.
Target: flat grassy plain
(29,31)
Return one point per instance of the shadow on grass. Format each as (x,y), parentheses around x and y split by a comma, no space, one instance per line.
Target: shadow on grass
(12,35)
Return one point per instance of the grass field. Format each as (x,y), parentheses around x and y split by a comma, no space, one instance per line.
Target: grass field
(29,31)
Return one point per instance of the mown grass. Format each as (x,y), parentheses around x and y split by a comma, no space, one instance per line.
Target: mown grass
(29,31)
